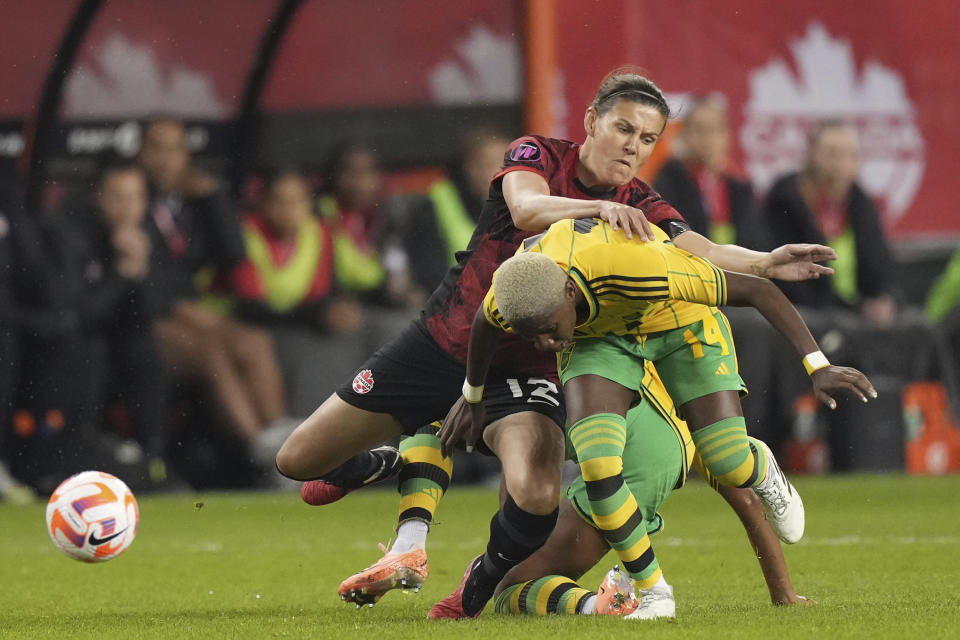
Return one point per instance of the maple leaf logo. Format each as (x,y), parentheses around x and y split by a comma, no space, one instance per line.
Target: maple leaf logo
(783,103)
(128,80)
(487,70)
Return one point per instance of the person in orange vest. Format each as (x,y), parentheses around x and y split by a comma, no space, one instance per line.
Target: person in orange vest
(288,277)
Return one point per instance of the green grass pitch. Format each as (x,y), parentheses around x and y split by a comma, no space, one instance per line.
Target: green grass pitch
(881,556)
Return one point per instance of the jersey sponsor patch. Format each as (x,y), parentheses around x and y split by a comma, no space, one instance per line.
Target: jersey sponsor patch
(525,152)
(363,382)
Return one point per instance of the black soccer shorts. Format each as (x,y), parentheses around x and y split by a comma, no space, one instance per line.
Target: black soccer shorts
(415,381)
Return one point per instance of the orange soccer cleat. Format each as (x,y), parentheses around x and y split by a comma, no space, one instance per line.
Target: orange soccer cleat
(393,571)
(615,596)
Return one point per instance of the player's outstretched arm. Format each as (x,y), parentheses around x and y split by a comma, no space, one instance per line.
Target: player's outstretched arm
(766,545)
(792,262)
(744,290)
(532,207)
(464,421)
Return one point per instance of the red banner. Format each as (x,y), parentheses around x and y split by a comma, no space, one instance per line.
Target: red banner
(344,53)
(142,57)
(30,34)
(888,66)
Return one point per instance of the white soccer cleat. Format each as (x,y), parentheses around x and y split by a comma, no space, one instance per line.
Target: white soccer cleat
(655,602)
(781,502)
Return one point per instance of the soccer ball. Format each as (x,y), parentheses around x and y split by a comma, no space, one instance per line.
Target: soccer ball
(92,516)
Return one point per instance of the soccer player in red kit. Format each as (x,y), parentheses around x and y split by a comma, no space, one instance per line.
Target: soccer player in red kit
(414,380)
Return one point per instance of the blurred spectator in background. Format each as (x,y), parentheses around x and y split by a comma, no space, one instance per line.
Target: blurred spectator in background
(434,228)
(53,419)
(192,228)
(944,295)
(942,310)
(854,312)
(22,272)
(823,203)
(105,256)
(698,183)
(288,276)
(288,285)
(353,211)
(88,327)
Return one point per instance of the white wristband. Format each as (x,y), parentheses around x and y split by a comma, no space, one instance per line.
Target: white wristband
(814,361)
(472,394)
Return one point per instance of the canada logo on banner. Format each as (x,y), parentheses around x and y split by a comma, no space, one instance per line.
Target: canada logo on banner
(128,79)
(782,105)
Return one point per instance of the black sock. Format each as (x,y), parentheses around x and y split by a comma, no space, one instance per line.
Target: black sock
(514,535)
(352,473)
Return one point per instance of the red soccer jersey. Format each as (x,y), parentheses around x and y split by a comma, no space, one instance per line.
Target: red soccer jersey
(448,314)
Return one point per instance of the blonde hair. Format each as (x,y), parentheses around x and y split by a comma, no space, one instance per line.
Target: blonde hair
(528,286)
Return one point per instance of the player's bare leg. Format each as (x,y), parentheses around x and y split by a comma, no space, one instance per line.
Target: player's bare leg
(530,448)
(719,433)
(573,548)
(334,433)
(404,565)
(766,545)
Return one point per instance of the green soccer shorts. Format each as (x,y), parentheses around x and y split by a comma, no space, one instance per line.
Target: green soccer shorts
(693,361)
(654,464)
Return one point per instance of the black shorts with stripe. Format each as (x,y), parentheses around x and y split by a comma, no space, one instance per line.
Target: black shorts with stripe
(415,381)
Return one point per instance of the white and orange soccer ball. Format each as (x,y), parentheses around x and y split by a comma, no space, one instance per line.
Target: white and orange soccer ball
(92,516)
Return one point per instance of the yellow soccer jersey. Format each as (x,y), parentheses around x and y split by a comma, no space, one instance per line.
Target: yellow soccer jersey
(631,287)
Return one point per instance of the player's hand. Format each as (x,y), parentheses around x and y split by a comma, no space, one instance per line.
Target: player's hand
(794,599)
(630,219)
(464,423)
(796,262)
(830,380)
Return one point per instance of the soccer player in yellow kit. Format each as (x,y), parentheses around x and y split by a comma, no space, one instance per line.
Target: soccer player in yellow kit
(607,304)
(657,456)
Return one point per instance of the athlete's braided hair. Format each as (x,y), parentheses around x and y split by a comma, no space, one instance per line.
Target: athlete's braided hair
(626,83)
(528,286)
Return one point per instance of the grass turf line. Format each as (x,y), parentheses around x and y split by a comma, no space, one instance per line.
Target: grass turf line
(881,556)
